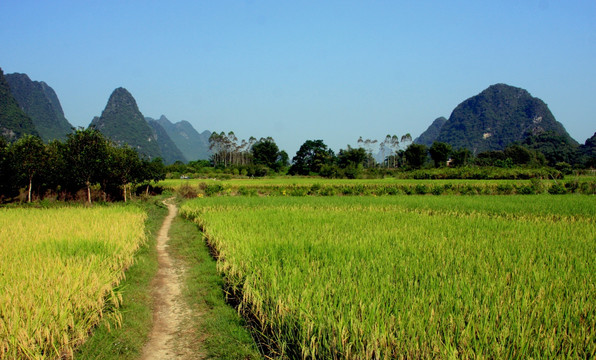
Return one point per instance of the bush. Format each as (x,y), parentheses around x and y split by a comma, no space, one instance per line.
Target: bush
(213,189)
(186,191)
(421,189)
(557,189)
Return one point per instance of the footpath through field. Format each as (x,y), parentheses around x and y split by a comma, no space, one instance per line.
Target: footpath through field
(171,335)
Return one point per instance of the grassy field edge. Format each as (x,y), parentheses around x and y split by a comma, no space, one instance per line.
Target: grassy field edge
(127,341)
(221,333)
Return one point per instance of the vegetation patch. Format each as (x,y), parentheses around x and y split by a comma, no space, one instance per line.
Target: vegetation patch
(419,276)
(59,272)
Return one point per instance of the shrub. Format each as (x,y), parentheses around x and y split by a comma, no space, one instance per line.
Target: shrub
(213,189)
(186,191)
(557,189)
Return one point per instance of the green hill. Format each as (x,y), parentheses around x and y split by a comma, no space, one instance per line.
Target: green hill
(497,117)
(40,102)
(122,122)
(14,123)
(169,151)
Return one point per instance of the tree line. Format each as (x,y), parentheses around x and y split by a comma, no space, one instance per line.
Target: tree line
(85,163)
(392,153)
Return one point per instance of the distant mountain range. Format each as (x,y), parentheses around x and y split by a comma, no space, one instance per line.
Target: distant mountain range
(39,101)
(192,144)
(170,153)
(498,116)
(123,123)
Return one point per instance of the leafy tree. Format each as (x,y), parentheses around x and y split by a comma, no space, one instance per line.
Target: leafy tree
(56,168)
(460,157)
(265,152)
(87,152)
(153,170)
(124,166)
(311,157)
(439,152)
(283,159)
(7,174)
(587,153)
(416,155)
(523,156)
(29,159)
(351,161)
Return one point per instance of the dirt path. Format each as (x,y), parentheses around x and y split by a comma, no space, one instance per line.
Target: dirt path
(171,335)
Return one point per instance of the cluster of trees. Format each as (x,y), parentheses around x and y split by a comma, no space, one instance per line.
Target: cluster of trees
(254,156)
(548,149)
(85,160)
(315,158)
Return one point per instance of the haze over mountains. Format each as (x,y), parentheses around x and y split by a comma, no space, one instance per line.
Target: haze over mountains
(192,144)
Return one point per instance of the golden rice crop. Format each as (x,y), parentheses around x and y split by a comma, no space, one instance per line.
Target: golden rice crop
(58,270)
(403,277)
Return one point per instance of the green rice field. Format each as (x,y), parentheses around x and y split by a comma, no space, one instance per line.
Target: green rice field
(409,276)
(301,186)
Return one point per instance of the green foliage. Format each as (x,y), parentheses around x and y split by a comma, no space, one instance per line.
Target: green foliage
(87,160)
(439,153)
(587,153)
(460,157)
(555,147)
(265,152)
(29,158)
(311,157)
(416,155)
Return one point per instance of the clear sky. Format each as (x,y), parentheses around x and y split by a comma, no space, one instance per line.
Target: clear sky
(299,70)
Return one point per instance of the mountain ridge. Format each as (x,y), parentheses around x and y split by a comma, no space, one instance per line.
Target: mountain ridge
(192,144)
(122,122)
(14,122)
(169,151)
(40,102)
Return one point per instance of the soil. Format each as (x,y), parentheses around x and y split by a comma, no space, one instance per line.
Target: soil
(172,335)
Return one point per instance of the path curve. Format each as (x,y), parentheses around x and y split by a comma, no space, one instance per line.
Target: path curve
(170,309)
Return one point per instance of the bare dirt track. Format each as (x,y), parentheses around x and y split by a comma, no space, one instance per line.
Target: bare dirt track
(172,335)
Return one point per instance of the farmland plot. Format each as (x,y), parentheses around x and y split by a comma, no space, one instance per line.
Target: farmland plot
(58,270)
(394,277)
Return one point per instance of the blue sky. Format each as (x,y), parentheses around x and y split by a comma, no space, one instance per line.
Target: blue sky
(299,70)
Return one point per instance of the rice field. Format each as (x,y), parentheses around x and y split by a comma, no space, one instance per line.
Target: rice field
(58,273)
(409,277)
(303,186)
